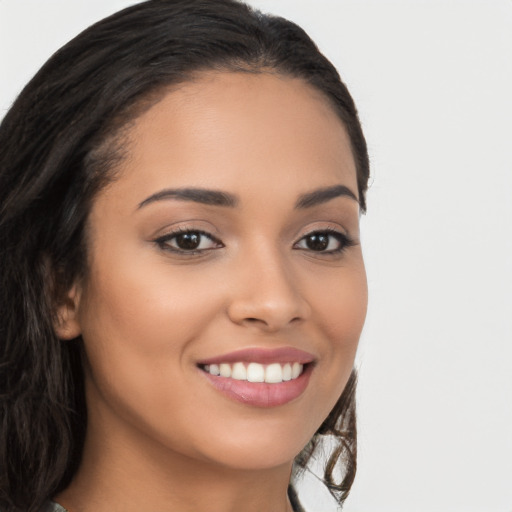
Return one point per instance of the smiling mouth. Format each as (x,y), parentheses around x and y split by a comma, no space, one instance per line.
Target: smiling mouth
(258,384)
(274,373)
(260,377)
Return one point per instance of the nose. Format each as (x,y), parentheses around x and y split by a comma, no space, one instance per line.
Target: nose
(266,294)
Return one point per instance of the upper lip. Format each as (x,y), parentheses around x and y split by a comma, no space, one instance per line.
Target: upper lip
(262,356)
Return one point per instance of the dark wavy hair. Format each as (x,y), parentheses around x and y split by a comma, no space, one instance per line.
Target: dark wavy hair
(60,144)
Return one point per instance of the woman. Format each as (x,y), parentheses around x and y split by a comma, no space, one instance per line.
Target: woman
(183,288)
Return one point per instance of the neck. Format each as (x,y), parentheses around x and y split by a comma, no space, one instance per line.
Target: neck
(123,473)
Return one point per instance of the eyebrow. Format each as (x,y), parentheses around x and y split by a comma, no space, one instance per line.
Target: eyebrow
(323,195)
(197,195)
(218,198)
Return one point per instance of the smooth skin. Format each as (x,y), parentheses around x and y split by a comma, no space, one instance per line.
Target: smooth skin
(160,437)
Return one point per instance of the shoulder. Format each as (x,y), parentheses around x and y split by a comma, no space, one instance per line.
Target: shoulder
(53,507)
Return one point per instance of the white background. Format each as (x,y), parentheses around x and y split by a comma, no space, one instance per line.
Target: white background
(433,82)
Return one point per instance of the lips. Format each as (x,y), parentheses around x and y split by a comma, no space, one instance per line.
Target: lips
(262,356)
(260,377)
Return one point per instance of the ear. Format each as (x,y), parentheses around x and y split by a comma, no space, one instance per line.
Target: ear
(66,323)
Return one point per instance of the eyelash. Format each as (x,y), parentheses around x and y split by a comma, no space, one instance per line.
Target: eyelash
(344,241)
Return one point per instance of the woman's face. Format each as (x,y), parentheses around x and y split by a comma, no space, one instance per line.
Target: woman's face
(231,235)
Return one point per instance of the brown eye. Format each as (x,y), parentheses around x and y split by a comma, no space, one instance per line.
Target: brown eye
(188,242)
(317,241)
(324,241)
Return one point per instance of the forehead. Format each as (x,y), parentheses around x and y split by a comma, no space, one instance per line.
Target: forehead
(227,129)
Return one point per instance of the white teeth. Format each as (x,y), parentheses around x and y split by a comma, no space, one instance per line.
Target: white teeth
(296,370)
(274,373)
(239,372)
(225,370)
(254,372)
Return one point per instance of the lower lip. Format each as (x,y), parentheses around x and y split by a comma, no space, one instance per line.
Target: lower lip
(261,394)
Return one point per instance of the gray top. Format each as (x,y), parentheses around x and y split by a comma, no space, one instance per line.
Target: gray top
(53,507)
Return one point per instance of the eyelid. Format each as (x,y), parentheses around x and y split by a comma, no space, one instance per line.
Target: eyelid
(183,225)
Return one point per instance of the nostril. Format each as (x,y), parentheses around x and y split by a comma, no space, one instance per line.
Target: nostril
(255,321)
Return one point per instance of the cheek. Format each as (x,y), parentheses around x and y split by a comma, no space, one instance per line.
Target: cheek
(143,306)
(340,313)
(137,323)
(341,308)
(136,333)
